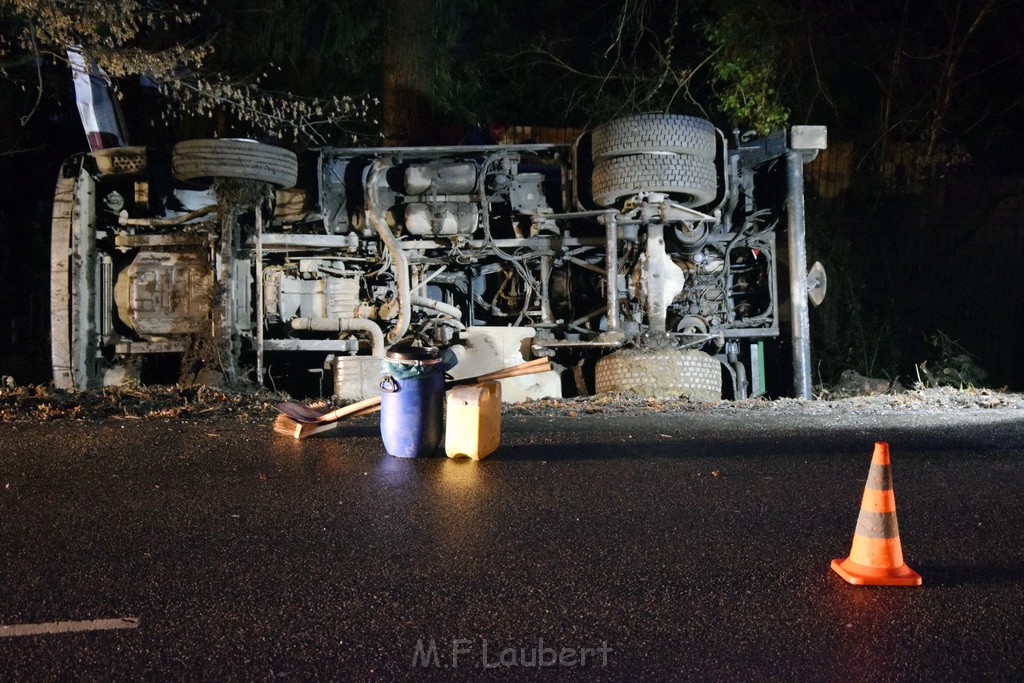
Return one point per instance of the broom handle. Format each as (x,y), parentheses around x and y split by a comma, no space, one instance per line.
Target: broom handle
(529,367)
(502,374)
(309,429)
(349,409)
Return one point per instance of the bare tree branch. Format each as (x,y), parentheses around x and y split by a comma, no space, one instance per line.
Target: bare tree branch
(39,75)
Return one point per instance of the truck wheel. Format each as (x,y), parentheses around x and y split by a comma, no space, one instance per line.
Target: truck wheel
(690,180)
(242,159)
(655,133)
(667,373)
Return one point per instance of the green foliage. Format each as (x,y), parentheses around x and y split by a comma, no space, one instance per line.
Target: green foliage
(744,59)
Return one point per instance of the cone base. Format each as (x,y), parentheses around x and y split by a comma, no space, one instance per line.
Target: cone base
(859,575)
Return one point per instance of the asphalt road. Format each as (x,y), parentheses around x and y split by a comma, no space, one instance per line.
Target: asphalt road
(653,546)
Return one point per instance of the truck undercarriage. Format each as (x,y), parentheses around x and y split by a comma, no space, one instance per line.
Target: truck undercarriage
(649,248)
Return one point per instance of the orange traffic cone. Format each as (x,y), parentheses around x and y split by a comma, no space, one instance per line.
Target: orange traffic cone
(876,558)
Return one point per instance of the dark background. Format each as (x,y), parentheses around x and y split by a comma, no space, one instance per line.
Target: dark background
(915,208)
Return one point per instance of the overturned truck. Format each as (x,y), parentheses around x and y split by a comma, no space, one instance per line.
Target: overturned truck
(647,256)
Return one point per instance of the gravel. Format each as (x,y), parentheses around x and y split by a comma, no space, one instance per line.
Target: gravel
(943,400)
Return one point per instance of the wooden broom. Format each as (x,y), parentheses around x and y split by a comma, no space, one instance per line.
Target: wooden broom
(299,421)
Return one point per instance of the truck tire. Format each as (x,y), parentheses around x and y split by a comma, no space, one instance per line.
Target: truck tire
(655,133)
(688,179)
(242,159)
(666,373)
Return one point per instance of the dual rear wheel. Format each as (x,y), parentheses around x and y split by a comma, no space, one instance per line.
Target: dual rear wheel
(667,153)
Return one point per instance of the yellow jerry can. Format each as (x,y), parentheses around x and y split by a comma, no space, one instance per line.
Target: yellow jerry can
(473,426)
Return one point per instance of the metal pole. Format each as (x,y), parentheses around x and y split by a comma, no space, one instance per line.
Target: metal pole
(612,263)
(798,276)
(656,299)
(546,314)
(225,335)
(259,294)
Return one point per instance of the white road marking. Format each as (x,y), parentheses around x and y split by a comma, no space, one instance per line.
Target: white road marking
(11,630)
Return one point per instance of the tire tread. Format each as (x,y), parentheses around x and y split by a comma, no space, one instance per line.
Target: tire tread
(694,179)
(655,133)
(222,158)
(668,373)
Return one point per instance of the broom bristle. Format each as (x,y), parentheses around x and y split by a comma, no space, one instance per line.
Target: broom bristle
(285,426)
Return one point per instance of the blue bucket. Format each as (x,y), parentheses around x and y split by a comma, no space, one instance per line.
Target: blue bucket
(412,401)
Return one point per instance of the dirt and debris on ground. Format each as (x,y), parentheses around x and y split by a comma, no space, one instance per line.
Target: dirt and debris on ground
(38,403)
(936,400)
(134,403)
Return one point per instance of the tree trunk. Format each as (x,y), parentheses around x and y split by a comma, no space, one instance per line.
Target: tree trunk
(408,58)
(948,80)
(892,88)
